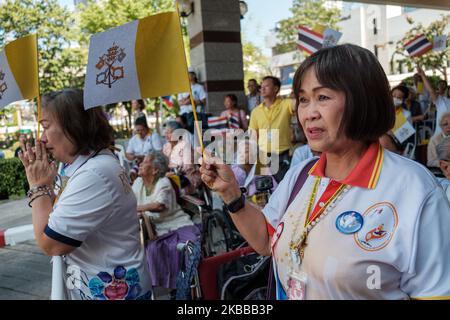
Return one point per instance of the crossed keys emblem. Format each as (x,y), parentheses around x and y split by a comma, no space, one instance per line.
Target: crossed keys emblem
(112,73)
(3,85)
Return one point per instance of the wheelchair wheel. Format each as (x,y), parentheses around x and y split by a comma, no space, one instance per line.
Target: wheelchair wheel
(216,240)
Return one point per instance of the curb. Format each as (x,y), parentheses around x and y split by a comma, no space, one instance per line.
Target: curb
(15,235)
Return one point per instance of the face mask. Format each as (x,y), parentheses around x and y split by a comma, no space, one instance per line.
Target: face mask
(397,101)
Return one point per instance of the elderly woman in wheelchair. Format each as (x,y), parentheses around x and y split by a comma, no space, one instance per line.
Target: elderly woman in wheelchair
(165,221)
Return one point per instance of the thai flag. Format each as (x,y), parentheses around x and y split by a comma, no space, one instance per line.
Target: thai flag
(309,40)
(418,46)
(218,124)
(233,121)
(168,101)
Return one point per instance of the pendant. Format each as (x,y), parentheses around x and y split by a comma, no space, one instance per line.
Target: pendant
(295,257)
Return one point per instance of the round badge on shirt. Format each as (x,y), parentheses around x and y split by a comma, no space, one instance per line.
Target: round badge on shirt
(349,222)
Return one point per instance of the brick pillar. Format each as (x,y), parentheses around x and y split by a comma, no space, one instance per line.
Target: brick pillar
(216,50)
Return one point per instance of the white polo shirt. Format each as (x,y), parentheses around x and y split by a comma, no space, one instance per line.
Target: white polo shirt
(401,251)
(97,213)
(140,147)
(198,93)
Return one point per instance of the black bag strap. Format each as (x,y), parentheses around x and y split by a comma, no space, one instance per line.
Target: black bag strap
(271,285)
(300,181)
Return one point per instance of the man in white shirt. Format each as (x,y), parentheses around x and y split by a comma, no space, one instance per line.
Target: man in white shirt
(199,96)
(438,98)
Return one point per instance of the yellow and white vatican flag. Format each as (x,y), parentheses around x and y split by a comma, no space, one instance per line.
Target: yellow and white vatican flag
(141,59)
(18,71)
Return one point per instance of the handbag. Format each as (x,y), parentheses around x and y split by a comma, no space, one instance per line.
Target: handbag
(271,286)
(244,278)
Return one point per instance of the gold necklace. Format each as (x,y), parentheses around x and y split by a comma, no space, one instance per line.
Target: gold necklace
(297,246)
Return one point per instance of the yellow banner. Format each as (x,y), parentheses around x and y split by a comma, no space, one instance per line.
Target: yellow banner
(22,59)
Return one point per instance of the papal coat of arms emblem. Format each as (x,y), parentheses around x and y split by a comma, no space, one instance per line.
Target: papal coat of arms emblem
(107,63)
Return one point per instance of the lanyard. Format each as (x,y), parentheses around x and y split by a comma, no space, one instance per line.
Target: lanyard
(297,246)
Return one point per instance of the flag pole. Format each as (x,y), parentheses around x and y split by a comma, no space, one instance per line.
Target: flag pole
(39,95)
(194,108)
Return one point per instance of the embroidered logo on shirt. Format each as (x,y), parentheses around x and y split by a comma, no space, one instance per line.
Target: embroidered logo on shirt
(380,223)
(122,284)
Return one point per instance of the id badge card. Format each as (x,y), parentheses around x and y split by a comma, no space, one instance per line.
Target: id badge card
(297,286)
(269,135)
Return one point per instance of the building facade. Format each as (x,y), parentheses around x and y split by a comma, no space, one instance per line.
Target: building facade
(372,26)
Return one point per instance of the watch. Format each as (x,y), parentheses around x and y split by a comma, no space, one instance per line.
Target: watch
(237,204)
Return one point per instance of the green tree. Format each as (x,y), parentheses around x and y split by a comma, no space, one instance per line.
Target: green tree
(61,61)
(437,61)
(99,16)
(256,65)
(307,13)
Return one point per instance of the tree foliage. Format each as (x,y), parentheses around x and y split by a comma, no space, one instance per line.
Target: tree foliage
(61,63)
(432,60)
(308,13)
(98,16)
(256,65)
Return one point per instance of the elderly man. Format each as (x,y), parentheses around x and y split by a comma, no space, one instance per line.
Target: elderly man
(253,98)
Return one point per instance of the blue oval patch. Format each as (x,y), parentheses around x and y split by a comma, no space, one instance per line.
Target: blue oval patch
(349,222)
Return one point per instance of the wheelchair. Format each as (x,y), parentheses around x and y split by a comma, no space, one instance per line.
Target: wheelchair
(221,244)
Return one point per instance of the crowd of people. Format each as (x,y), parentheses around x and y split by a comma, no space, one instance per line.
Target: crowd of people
(347,165)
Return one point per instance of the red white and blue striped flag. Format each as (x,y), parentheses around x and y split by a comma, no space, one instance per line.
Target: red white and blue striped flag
(418,46)
(218,124)
(309,40)
(167,101)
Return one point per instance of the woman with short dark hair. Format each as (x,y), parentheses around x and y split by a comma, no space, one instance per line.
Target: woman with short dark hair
(93,222)
(360,222)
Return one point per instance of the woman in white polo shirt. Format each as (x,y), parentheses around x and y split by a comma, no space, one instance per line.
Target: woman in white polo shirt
(93,223)
(143,141)
(366,223)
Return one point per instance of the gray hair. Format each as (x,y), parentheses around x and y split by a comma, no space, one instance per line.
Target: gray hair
(159,161)
(445,115)
(173,125)
(443,149)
